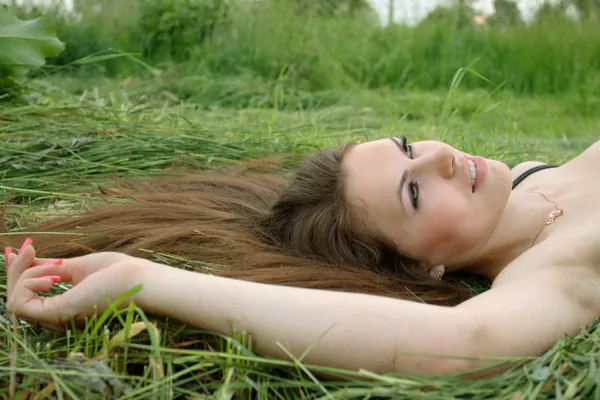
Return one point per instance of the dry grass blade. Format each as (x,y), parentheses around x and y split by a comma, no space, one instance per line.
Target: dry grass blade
(120,337)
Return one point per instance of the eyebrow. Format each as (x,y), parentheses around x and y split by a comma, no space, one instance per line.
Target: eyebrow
(402,183)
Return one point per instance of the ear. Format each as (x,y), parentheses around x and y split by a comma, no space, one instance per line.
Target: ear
(437,272)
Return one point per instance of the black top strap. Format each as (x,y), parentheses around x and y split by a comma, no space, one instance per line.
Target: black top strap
(530,171)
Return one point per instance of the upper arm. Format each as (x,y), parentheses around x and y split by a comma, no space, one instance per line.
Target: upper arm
(526,317)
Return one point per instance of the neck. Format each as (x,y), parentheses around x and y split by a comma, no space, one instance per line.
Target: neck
(522,222)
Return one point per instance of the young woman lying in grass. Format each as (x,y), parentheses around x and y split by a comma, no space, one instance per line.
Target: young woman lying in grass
(358,253)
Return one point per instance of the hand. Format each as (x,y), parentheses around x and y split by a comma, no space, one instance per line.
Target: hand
(93,276)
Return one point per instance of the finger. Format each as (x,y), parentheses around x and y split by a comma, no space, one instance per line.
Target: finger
(49,263)
(47,266)
(52,267)
(25,303)
(44,267)
(11,257)
(25,245)
(43,284)
(7,253)
(18,264)
(42,261)
(68,265)
(55,312)
(77,268)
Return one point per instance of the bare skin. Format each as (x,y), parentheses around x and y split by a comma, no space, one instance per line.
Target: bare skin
(539,293)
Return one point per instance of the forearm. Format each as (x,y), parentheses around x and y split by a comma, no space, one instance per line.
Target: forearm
(352,331)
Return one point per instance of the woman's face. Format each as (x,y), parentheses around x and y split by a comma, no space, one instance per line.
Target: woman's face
(436,203)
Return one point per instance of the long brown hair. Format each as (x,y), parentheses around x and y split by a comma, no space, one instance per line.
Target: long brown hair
(253,224)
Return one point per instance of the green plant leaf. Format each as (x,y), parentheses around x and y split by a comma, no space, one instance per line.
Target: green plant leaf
(25,45)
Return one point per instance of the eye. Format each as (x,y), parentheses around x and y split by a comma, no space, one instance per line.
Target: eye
(413,193)
(406,147)
(413,187)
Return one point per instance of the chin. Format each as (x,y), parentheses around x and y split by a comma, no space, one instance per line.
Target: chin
(501,172)
(499,165)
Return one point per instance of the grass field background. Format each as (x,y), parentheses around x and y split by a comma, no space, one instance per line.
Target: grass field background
(202,87)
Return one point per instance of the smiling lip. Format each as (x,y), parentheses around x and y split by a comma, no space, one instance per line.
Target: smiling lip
(481,171)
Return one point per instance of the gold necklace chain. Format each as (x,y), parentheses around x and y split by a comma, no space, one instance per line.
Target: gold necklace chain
(551,217)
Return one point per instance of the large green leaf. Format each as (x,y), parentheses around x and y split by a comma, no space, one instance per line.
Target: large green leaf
(25,45)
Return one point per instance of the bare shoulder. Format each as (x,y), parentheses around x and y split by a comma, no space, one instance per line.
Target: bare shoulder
(594,147)
(522,167)
(591,153)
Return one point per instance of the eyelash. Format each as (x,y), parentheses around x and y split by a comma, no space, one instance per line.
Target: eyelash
(407,147)
(413,187)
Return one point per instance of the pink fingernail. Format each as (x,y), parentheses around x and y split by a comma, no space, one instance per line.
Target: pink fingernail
(7,252)
(55,278)
(52,262)
(25,244)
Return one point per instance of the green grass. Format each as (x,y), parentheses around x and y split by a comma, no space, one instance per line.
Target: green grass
(57,151)
(267,81)
(269,40)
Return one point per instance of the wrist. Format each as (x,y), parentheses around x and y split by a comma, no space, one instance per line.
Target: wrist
(190,297)
(151,276)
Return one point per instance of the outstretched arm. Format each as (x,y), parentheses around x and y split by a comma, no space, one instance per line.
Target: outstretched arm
(517,319)
(351,331)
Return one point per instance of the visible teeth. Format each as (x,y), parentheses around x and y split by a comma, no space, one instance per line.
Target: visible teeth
(473,172)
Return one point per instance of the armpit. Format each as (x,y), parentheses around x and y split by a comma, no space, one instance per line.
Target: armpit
(585,291)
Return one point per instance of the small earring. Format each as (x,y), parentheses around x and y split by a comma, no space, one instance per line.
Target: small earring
(440,275)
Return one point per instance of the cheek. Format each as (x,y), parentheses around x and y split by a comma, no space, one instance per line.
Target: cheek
(436,236)
(445,227)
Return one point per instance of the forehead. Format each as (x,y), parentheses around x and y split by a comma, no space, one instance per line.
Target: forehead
(373,172)
(370,154)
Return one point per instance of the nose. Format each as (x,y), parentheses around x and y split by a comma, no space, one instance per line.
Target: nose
(439,162)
